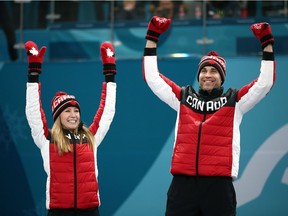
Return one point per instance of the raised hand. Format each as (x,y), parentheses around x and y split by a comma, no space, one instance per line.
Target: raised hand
(157,25)
(35,57)
(263,32)
(108,58)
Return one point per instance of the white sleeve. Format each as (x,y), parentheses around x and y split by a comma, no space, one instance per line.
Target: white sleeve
(158,85)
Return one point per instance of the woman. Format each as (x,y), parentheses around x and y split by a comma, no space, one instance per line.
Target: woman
(69,149)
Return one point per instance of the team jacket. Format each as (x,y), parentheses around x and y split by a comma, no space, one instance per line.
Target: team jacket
(207,136)
(72,177)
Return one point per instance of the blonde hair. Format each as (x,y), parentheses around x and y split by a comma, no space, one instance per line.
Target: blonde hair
(63,143)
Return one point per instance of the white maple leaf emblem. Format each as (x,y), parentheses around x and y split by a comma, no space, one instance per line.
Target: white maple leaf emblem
(33,51)
(257,26)
(109,52)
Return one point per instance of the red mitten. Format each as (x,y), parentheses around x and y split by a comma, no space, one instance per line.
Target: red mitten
(35,57)
(156,27)
(263,32)
(108,58)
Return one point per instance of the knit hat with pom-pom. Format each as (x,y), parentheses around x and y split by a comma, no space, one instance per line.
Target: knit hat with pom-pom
(61,101)
(213,59)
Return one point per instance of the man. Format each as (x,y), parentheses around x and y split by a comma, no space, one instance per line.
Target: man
(206,151)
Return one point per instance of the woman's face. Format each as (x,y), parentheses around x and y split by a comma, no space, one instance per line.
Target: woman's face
(209,78)
(70,118)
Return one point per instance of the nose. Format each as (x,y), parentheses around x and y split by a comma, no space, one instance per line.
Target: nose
(73,113)
(209,73)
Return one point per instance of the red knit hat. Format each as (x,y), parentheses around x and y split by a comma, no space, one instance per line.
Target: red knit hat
(213,59)
(61,101)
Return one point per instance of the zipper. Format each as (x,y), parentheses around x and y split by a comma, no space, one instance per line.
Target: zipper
(198,145)
(75,172)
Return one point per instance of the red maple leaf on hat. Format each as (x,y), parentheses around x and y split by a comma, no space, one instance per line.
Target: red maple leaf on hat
(211,62)
(73,102)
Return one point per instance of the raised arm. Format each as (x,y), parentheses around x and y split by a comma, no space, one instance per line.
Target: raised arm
(34,112)
(254,92)
(106,111)
(165,89)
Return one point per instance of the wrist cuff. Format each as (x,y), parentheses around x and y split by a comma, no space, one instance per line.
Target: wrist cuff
(109,68)
(267,39)
(33,78)
(150,52)
(152,35)
(269,56)
(34,67)
(110,77)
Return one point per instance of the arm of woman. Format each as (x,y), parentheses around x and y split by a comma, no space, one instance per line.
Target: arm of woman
(106,111)
(33,110)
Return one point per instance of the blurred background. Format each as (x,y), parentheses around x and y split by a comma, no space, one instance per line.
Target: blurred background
(134,158)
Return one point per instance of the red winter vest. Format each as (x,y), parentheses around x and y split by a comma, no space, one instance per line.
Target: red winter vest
(73,182)
(203,144)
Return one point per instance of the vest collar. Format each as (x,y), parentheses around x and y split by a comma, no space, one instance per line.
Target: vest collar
(216,92)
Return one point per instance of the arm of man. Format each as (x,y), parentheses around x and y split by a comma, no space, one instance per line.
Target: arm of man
(254,92)
(165,89)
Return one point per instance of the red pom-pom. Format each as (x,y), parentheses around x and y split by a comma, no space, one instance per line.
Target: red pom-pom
(60,93)
(213,53)
(57,95)
(73,102)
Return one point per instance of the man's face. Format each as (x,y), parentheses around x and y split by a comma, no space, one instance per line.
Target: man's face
(209,78)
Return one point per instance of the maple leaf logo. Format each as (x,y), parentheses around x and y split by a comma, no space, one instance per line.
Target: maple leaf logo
(257,26)
(161,19)
(109,52)
(33,51)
